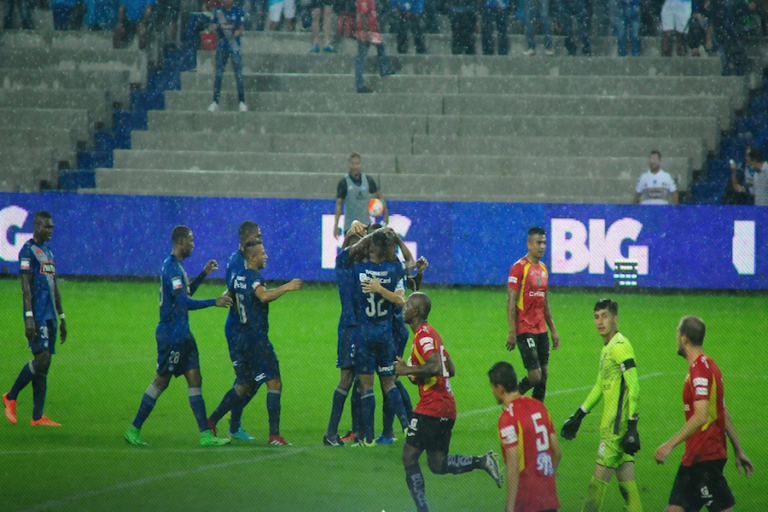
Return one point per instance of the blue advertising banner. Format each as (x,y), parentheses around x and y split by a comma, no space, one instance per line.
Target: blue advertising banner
(705,247)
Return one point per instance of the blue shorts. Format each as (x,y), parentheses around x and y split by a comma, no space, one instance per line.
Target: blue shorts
(400,334)
(231,332)
(345,353)
(374,357)
(177,357)
(269,366)
(46,337)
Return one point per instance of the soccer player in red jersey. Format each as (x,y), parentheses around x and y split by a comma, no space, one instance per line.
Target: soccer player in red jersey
(529,315)
(529,444)
(700,481)
(430,366)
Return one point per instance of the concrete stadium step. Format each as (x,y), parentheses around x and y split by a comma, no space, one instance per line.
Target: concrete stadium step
(97,102)
(134,62)
(272,123)
(22,169)
(551,188)
(116,82)
(437,44)
(69,39)
(587,126)
(79,122)
(472,65)
(19,180)
(61,141)
(692,148)
(544,85)
(436,165)
(235,142)
(473,105)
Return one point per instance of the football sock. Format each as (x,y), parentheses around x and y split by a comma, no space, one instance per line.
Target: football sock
(237,410)
(367,407)
(339,397)
(231,399)
(356,409)
(388,417)
(540,391)
(39,387)
(523,386)
(25,377)
(406,398)
(458,464)
(415,481)
(197,404)
(147,404)
(273,409)
(595,496)
(631,496)
(395,400)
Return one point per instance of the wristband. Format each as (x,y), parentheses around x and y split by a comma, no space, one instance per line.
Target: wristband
(61,316)
(28,314)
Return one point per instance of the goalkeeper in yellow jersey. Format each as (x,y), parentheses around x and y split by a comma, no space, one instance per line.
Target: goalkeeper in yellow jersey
(618,384)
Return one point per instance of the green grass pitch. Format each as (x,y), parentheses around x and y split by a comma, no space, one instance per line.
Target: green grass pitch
(97,379)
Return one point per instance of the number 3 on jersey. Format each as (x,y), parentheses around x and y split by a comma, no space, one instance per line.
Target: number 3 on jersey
(375,309)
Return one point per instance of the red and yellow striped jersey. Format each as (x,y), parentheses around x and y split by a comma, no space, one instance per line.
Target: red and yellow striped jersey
(531,282)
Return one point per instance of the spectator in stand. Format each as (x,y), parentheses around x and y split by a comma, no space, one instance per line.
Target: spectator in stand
(675,15)
(627,24)
(408,15)
(326,8)
(495,12)
(229,23)
(729,19)
(133,18)
(100,14)
(756,161)
(578,9)
(463,24)
(67,14)
(25,13)
(529,7)
(740,189)
(655,186)
(367,35)
(167,13)
(354,191)
(281,9)
(700,30)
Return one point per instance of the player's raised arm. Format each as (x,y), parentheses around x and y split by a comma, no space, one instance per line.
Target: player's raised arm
(551,323)
(265,295)
(742,461)
(513,477)
(693,425)
(195,284)
(410,264)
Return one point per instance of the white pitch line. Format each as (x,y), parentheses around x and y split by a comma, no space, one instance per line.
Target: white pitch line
(150,479)
(131,451)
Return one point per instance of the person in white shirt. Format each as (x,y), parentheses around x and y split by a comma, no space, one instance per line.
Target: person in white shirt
(655,186)
(756,161)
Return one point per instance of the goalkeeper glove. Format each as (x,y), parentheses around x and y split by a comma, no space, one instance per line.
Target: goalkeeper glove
(630,443)
(572,424)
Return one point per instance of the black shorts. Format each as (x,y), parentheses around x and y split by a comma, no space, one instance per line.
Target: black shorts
(430,433)
(702,485)
(534,349)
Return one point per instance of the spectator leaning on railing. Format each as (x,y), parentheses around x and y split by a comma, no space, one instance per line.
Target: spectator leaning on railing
(655,186)
(229,23)
(756,161)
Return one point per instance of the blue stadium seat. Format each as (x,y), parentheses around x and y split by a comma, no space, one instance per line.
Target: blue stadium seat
(150,99)
(94,159)
(108,141)
(127,120)
(751,125)
(732,148)
(758,106)
(73,179)
(707,192)
(718,170)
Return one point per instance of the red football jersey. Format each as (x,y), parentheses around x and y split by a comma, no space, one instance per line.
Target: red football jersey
(367,9)
(526,423)
(705,382)
(435,395)
(530,282)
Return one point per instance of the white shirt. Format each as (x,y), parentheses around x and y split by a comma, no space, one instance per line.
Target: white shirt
(656,188)
(761,186)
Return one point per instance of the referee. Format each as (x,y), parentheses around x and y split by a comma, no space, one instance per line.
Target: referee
(354,191)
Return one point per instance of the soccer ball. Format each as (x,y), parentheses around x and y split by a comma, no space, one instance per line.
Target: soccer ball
(375,207)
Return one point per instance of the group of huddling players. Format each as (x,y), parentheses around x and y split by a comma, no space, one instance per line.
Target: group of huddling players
(372,338)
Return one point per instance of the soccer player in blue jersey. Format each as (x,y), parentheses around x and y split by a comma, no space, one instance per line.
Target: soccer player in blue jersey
(255,360)
(176,348)
(380,287)
(249,232)
(42,304)
(345,282)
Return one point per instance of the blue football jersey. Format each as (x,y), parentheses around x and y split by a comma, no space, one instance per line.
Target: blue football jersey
(229,22)
(235,264)
(345,282)
(174,318)
(253,314)
(373,310)
(37,260)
